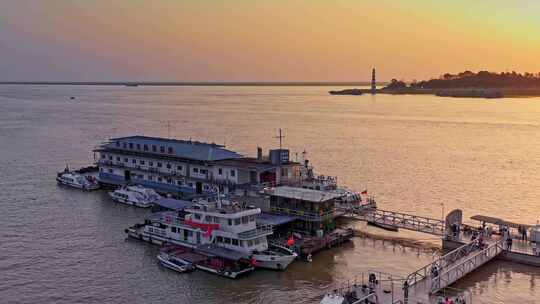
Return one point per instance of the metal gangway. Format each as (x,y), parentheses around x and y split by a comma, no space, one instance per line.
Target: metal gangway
(451,267)
(403,221)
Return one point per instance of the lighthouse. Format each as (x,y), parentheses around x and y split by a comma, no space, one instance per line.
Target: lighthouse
(373,82)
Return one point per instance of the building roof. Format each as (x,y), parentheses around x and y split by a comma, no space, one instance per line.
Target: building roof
(174,204)
(274,219)
(181,148)
(303,194)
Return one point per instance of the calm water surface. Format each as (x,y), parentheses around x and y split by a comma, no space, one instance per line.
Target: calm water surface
(414,153)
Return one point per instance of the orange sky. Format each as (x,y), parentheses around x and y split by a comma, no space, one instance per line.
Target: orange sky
(173,40)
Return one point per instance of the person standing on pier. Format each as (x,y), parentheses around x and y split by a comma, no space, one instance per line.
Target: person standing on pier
(509,243)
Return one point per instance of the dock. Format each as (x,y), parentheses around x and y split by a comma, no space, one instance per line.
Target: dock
(464,255)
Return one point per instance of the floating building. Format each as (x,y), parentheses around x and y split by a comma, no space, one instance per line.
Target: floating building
(184,167)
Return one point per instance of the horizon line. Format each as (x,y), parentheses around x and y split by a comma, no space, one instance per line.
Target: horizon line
(193,83)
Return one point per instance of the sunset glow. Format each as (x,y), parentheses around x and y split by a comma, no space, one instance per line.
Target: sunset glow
(264,40)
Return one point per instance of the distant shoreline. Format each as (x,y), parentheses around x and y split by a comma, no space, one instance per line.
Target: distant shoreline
(462,92)
(165,83)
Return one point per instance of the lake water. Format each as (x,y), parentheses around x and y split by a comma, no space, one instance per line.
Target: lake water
(418,154)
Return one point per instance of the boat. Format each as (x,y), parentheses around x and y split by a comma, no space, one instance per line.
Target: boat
(224,225)
(383,226)
(76,180)
(168,260)
(135,195)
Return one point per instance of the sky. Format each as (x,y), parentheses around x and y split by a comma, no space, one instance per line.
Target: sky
(255,40)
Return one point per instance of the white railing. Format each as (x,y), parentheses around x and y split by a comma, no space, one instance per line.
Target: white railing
(407,221)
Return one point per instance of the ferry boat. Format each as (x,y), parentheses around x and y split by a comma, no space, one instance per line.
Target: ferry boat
(224,225)
(76,180)
(135,195)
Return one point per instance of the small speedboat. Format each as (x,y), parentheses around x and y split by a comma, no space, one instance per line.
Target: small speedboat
(275,257)
(76,180)
(127,196)
(173,263)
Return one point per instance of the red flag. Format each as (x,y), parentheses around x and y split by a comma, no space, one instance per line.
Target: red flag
(253,261)
(290,241)
(363,192)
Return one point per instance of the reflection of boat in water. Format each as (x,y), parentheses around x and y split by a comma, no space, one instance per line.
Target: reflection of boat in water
(383,226)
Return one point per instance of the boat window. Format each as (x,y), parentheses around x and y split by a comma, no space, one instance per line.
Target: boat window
(230,222)
(252,218)
(220,239)
(162,149)
(208,219)
(126,159)
(227,240)
(145,147)
(110,170)
(233,173)
(203,171)
(173,229)
(159,165)
(103,156)
(118,144)
(159,179)
(124,145)
(118,158)
(235,242)
(168,166)
(138,146)
(134,160)
(170,150)
(206,187)
(220,171)
(250,243)
(216,219)
(197,216)
(154,148)
(190,184)
(150,164)
(179,182)
(110,157)
(100,169)
(179,168)
(150,177)
(245,220)
(142,162)
(237,221)
(195,170)
(131,145)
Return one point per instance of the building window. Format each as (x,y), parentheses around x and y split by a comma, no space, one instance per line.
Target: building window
(162,149)
(170,149)
(118,144)
(142,162)
(110,170)
(203,171)
(190,184)
(154,148)
(179,168)
(173,229)
(179,182)
(134,160)
(150,177)
(131,145)
(151,164)
(206,187)
(145,147)
(227,240)
(124,145)
(195,170)
(168,166)
(250,243)
(126,160)
(103,155)
(229,221)
(110,157)
(220,171)
(235,242)
(233,173)
(118,158)
(159,165)
(159,179)
(237,221)
(138,146)
(252,218)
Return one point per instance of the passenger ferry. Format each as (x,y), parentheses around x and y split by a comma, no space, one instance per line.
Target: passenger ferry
(135,195)
(219,224)
(76,180)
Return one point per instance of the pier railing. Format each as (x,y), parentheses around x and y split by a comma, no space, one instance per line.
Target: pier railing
(407,221)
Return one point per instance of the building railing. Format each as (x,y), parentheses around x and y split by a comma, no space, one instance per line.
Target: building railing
(308,215)
(259,231)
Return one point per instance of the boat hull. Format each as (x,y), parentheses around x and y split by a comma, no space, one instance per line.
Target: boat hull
(77,186)
(273,262)
(130,202)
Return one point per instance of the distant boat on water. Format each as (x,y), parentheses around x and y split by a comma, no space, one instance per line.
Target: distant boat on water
(347,92)
(132,84)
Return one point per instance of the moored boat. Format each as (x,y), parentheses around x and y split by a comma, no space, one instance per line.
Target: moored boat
(76,180)
(135,195)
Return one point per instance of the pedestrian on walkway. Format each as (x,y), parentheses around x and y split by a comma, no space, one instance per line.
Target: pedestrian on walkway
(509,243)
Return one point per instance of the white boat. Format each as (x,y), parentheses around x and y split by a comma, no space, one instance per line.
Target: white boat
(126,195)
(150,194)
(173,263)
(78,181)
(227,226)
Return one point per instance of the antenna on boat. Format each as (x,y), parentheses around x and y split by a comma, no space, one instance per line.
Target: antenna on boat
(280,138)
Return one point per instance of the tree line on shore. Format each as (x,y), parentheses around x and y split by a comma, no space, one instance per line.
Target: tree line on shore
(468,79)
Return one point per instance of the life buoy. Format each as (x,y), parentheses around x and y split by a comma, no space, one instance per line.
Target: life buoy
(309,258)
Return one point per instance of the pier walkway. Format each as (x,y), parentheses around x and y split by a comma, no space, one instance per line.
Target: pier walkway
(399,220)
